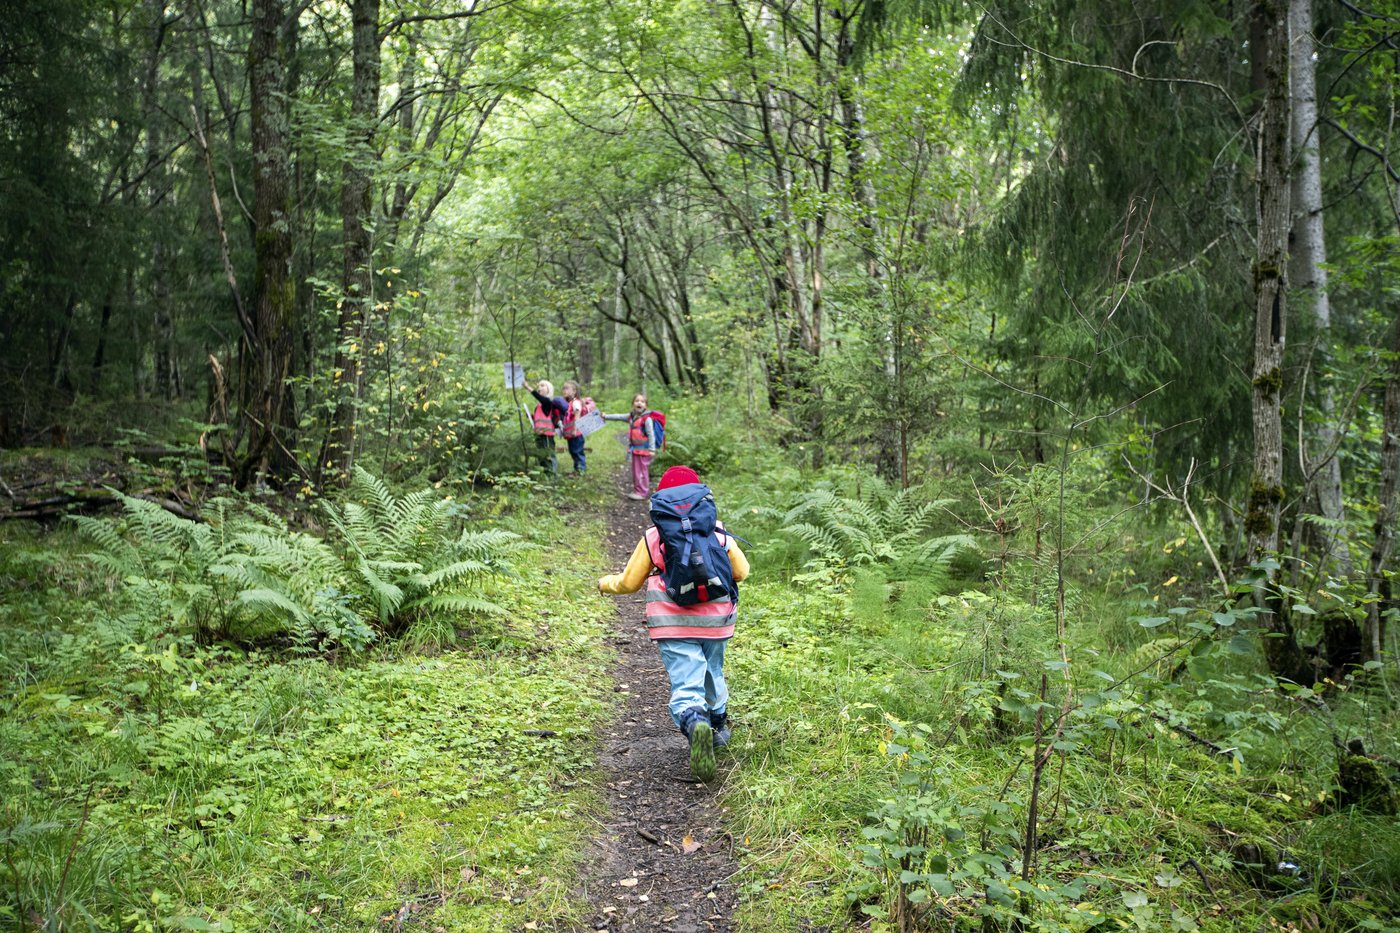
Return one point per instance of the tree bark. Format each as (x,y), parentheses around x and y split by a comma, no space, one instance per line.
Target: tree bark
(1269,44)
(1388,511)
(162,324)
(357,298)
(270,422)
(1309,278)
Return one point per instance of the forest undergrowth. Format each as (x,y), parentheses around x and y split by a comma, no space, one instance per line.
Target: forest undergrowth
(898,678)
(381,719)
(381,714)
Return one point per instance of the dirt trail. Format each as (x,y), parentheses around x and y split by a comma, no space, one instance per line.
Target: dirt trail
(640,876)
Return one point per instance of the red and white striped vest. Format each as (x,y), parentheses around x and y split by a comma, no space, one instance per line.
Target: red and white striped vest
(570,424)
(714,619)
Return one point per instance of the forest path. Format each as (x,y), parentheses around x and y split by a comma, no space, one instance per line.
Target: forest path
(663,861)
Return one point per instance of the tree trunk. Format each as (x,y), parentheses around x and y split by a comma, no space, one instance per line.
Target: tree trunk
(99,355)
(403,191)
(162,325)
(357,299)
(1269,43)
(856,142)
(1309,277)
(271,424)
(1388,511)
(615,377)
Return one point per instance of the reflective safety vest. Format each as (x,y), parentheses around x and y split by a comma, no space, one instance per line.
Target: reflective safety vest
(714,619)
(569,425)
(578,407)
(544,422)
(637,436)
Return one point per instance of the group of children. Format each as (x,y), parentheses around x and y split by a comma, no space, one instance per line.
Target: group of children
(560,414)
(688,563)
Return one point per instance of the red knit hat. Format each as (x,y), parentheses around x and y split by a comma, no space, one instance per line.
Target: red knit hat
(677,476)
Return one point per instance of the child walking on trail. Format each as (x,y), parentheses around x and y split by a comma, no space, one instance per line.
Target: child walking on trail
(690,608)
(572,435)
(547,419)
(642,443)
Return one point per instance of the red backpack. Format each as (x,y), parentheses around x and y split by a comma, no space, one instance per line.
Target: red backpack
(586,406)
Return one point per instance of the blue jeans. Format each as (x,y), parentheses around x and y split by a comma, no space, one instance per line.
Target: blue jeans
(576,451)
(696,669)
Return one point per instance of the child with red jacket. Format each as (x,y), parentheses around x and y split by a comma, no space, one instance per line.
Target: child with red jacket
(691,638)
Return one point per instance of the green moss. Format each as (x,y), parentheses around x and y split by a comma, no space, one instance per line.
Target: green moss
(1270,382)
(1361,783)
(1260,515)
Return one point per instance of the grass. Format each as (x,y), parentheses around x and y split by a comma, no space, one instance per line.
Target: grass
(882,740)
(847,710)
(150,783)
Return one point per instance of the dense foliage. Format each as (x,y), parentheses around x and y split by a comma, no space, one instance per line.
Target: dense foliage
(1047,354)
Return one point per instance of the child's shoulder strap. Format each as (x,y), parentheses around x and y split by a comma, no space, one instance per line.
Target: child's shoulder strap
(654,549)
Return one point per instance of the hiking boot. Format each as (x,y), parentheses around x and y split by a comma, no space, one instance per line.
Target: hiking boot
(719,724)
(696,724)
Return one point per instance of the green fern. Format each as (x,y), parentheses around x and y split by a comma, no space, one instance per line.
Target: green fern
(240,575)
(409,558)
(388,561)
(875,529)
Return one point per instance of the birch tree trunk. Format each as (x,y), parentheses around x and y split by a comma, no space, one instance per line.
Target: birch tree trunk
(1309,277)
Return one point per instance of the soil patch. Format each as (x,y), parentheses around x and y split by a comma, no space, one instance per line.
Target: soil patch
(663,861)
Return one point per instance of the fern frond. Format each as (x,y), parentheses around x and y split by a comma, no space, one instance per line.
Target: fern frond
(482,543)
(385,595)
(262,600)
(456,602)
(861,515)
(821,541)
(453,572)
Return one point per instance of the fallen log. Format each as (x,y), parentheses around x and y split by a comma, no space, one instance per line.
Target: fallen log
(90,500)
(59,506)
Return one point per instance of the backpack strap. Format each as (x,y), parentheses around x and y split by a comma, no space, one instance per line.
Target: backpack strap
(689,541)
(654,549)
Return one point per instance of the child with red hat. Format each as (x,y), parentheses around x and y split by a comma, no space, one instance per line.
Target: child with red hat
(691,629)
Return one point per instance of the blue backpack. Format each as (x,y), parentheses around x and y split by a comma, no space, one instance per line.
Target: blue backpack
(659,419)
(697,561)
